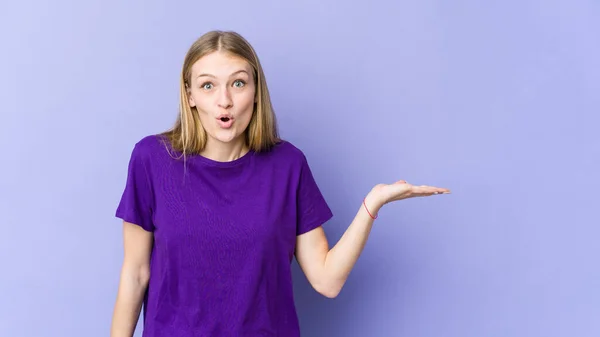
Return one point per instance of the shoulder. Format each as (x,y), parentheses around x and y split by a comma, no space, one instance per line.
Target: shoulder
(149,143)
(149,148)
(285,151)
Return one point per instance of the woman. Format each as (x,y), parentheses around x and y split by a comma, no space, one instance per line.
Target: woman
(215,209)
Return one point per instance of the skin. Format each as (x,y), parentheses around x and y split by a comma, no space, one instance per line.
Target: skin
(135,274)
(328,269)
(222,83)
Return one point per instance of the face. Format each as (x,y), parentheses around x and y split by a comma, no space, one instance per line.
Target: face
(222,90)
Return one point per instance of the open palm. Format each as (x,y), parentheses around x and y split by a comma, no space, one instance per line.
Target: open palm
(403,190)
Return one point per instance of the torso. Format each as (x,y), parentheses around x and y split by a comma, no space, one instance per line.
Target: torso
(225,236)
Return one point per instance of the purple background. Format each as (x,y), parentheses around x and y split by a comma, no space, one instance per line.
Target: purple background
(497,100)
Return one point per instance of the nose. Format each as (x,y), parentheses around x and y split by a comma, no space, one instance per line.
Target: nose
(224,100)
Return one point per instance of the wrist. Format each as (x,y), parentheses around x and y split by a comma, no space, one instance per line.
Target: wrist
(372,204)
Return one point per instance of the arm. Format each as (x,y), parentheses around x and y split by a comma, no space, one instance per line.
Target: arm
(133,282)
(328,269)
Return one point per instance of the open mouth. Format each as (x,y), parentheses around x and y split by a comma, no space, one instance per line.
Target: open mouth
(225,121)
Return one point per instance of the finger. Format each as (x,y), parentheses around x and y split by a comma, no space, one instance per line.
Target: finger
(429,190)
(423,190)
(442,190)
(433,190)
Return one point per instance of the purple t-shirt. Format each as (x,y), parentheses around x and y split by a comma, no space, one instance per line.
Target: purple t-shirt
(224,238)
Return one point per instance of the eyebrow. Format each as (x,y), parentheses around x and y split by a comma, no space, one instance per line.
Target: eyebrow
(232,74)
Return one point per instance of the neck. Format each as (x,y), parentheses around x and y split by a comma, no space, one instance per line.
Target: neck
(224,152)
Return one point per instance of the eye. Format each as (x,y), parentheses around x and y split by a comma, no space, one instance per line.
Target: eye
(239,84)
(207,86)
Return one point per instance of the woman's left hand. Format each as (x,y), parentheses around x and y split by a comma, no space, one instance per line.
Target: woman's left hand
(382,194)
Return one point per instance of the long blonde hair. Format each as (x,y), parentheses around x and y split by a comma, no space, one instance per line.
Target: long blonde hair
(188,135)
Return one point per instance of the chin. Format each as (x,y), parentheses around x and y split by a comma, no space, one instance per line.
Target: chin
(227,136)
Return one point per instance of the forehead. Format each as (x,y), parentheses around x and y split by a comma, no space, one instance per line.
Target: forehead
(220,64)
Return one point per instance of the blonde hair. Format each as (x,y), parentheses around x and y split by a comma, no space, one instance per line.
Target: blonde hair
(188,135)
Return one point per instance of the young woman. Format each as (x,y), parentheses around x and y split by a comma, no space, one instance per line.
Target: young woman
(215,209)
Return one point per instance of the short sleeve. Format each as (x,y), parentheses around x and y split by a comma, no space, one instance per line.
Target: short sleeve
(312,209)
(136,203)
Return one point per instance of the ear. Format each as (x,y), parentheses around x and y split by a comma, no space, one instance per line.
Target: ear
(191,101)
